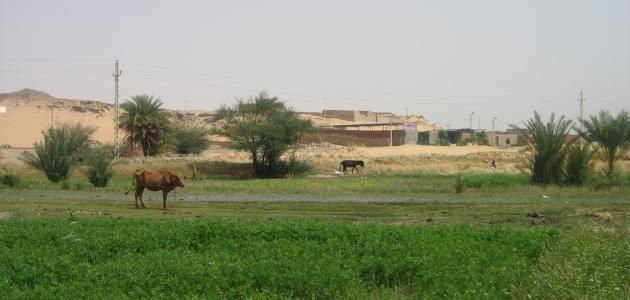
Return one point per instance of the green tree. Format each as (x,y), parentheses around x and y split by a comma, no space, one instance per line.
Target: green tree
(263,126)
(610,134)
(60,149)
(189,138)
(546,142)
(145,123)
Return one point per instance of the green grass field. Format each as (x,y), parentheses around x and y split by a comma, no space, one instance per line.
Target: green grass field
(407,235)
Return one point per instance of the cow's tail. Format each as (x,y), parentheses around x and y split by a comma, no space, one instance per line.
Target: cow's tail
(133,183)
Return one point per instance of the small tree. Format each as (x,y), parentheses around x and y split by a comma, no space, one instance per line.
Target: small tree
(263,126)
(190,138)
(59,150)
(611,134)
(145,123)
(546,143)
(99,162)
(508,142)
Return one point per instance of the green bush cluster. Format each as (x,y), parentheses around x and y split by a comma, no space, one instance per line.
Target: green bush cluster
(59,151)
(187,138)
(99,162)
(228,259)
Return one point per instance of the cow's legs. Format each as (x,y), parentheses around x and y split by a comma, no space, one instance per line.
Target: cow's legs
(164,196)
(344,170)
(139,193)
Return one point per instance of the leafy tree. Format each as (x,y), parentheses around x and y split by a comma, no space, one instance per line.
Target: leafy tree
(611,134)
(60,150)
(144,122)
(546,143)
(508,141)
(263,126)
(189,138)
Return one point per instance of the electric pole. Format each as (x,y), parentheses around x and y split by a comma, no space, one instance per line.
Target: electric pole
(581,100)
(116,74)
(471,126)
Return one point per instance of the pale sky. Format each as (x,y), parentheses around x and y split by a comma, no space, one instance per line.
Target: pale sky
(441,59)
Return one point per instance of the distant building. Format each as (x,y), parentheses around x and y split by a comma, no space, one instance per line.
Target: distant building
(502,139)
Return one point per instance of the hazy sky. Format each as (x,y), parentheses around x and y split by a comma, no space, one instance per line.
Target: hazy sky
(441,59)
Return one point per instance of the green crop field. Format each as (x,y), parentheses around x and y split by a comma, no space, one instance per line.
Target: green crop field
(231,259)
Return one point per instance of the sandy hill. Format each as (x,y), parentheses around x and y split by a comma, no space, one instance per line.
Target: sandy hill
(29,112)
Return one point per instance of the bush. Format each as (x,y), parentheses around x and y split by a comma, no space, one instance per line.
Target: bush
(66,184)
(189,138)
(99,163)
(578,164)
(59,150)
(292,167)
(10,180)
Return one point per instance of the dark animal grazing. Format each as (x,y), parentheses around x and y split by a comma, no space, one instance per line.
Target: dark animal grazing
(350,163)
(155,181)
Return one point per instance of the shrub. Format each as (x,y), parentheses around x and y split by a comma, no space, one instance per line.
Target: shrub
(59,150)
(189,138)
(66,184)
(578,164)
(99,163)
(10,180)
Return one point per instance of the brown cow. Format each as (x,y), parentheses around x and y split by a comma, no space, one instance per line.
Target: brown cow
(155,181)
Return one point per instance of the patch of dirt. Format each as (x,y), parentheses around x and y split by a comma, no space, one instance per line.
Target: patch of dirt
(4,215)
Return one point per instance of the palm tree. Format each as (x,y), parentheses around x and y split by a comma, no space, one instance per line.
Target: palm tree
(144,122)
(610,133)
(546,142)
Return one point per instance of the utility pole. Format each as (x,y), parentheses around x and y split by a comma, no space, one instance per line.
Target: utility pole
(471,126)
(116,74)
(493,123)
(581,100)
(52,115)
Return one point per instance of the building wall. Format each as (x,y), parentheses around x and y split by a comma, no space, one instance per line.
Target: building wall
(499,139)
(347,115)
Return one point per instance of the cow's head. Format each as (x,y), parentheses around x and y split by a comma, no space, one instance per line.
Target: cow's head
(174,180)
